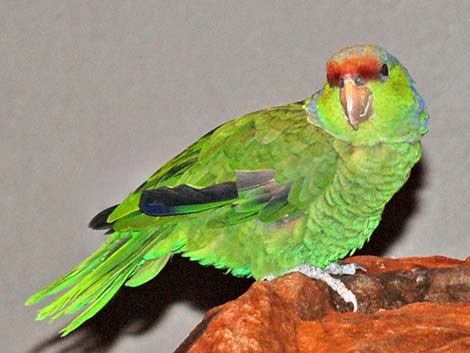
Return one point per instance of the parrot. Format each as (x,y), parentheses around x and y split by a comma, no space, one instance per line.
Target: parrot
(293,188)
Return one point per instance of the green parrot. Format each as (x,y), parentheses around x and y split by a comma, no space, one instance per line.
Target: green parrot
(290,188)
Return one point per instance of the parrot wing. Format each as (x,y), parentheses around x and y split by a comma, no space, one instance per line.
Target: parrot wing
(264,166)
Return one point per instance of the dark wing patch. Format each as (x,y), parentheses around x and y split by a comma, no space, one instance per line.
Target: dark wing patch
(253,192)
(183,199)
(100,220)
(250,180)
(278,206)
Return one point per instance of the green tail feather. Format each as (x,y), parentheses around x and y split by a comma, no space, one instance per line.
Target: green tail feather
(79,271)
(147,271)
(99,277)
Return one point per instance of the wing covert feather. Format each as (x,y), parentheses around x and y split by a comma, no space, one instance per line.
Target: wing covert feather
(278,139)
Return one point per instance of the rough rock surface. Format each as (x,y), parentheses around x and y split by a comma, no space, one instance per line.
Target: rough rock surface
(405,305)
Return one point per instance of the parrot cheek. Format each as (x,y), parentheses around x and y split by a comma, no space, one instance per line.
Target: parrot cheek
(356,102)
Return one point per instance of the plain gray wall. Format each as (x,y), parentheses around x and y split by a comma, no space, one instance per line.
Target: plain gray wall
(95,95)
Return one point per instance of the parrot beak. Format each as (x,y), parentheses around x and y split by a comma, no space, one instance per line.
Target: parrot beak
(356,101)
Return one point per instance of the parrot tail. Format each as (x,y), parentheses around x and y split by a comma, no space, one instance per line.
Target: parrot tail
(123,257)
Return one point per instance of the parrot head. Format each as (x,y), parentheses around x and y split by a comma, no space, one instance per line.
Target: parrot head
(369,97)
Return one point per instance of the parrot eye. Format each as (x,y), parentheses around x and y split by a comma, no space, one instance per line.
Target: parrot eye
(383,72)
(359,80)
(341,83)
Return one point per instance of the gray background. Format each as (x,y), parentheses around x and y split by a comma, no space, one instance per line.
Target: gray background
(95,95)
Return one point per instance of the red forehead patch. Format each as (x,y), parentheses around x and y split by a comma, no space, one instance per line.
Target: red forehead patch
(367,66)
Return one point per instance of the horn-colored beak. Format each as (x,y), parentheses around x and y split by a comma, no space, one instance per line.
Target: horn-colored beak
(356,102)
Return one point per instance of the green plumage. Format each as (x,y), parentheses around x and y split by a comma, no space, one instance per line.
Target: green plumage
(303,187)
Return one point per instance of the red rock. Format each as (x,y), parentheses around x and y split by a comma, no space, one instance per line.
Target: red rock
(420,327)
(267,315)
(429,298)
(376,265)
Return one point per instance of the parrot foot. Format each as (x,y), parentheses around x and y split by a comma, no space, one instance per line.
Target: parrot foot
(326,276)
(338,269)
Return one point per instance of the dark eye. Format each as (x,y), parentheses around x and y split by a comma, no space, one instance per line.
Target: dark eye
(384,71)
(341,83)
(359,80)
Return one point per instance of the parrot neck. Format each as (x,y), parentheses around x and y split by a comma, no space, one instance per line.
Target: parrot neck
(351,207)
